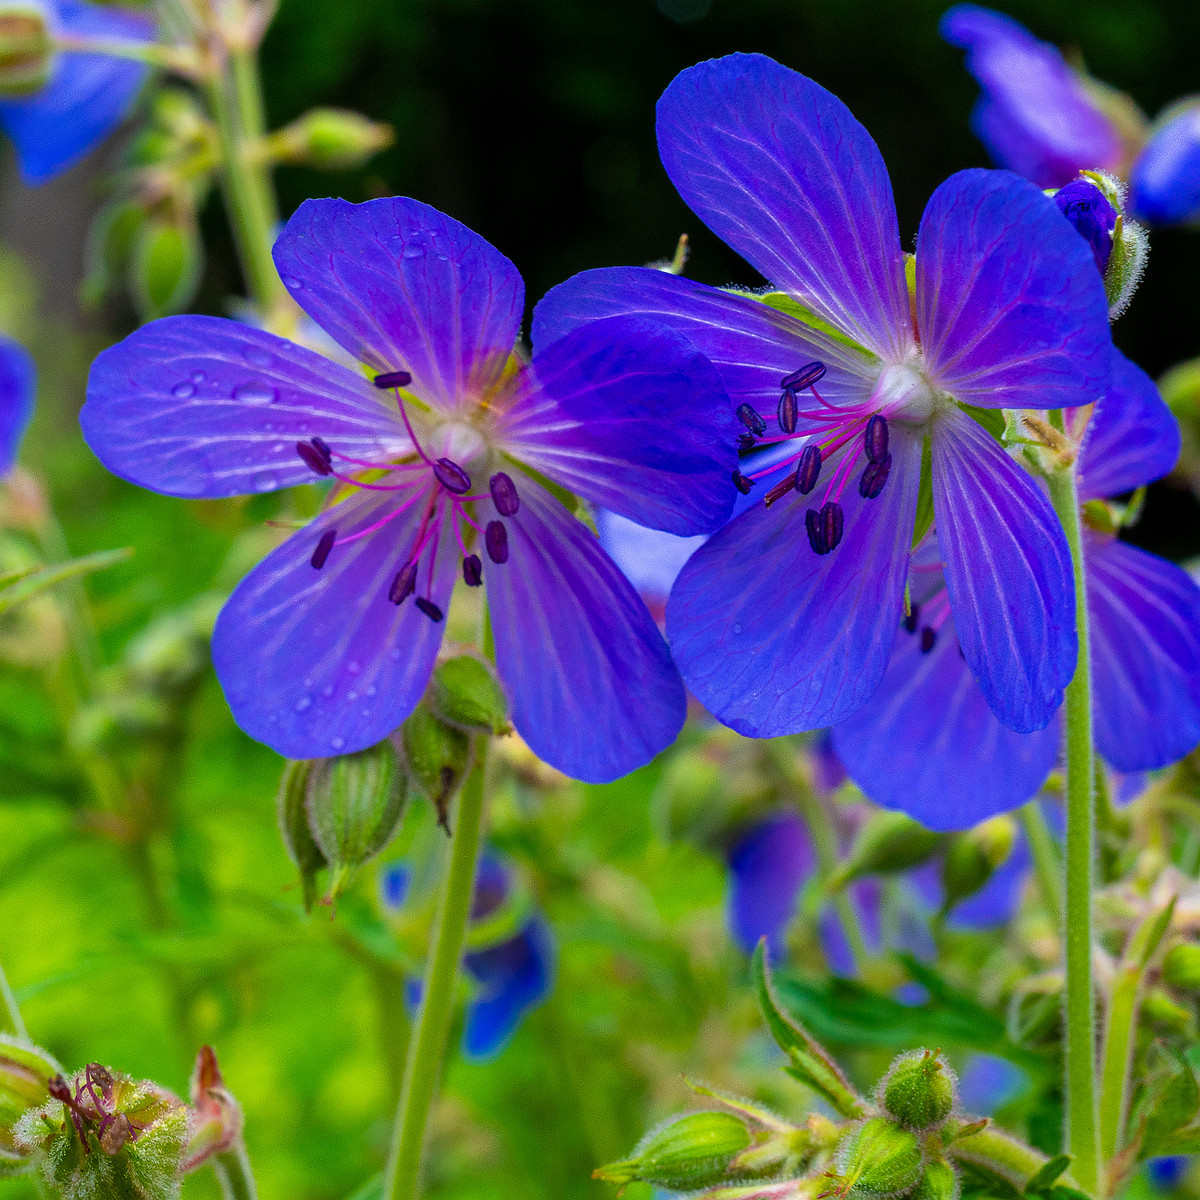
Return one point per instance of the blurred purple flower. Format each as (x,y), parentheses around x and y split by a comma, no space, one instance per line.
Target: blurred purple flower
(1164,184)
(777,632)
(18,388)
(86,96)
(987,1082)
(650,559)
(1166,1171)
(317,649)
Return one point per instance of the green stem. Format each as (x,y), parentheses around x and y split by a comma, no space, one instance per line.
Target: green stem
(10,1014)
(233,1171)
(428,1042)
(1119,1033)
(1080,1117)
(1046,863)
(1001,1154)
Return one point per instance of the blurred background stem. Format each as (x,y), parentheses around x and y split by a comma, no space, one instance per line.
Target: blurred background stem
(233,1170)
(10,1014)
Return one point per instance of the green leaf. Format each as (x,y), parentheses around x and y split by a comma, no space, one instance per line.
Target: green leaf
(1173,1100)
(1044,1179)
(28,585)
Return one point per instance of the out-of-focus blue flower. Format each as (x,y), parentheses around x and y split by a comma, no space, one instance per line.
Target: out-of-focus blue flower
(18,387)
(785,619)
(1166,1171)
(1164,185)
(649,558)
(86,96)
(320,649)
(987,1082)
(510,977)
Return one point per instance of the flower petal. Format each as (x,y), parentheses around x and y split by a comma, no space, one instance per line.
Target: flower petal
(1164,185)
(768,865)
(1132,439)
(780,169)
(752,344)
(204,406)
(514,978)
(1145,615)
(650,559)
(316,663)
(772,638)
(1036,116)
(18,388)
(632,417)
(927,744)
(1011,308)
(86,98)
(1008,573)
(404,287)
(594,692)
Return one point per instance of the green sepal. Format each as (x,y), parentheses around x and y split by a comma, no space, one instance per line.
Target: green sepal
(298,840)
(168,258)
(467,694)
(687,1153)
(782,302)
(924,495)
(887,844)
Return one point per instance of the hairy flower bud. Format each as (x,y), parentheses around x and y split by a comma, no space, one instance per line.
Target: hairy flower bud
(686,1153)
(330,139)
(25,1074)
(939,1182)
(972,857)
(214,1116)
(888,843)
(437,756)
(918,1090)
(466,693)
(878,1158)
(26,48)
(1181,967)
(293,827)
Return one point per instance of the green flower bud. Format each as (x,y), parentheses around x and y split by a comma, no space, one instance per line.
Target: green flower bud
(26,48)
(687,1153)
(1181,967)
(1130,245)
(918,1090)
(354,805)
(466,693)
(104,1135)
(973,856)
(939,1182)
(437,756)
(293,827)
(25,1074)
(330,139)
(888,843)
(167,260)
(878,1158)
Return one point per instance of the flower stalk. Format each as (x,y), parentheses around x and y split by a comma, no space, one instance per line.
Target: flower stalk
(428,1042)
(10,1014)
(234,1174)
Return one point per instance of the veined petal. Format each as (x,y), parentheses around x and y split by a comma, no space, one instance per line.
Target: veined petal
(631,417)
(650,559)
(404,287)
(780,169)
(204,406)
(1008,573)
(772,638)
(86,97)
(768,865)
(1011,308)
(321,662)
(927,743)
(752,344)
(18,387)
(594,692)
(1145,627)
(1132,438)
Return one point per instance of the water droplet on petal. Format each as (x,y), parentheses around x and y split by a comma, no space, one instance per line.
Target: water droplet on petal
(304,704)
(352,696)
(337,743)
(327,690)
(183,391)
(353,667)
(371,690)
(395,656)
(292,283)
(266,481)
(254,391)
(258,357)
(198,376)
(738,627)
(414,251)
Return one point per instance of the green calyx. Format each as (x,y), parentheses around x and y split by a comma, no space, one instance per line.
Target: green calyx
(879,1158)
(918,1090)
(466,693)
(690,1152)
(26,49)
(888,843)
(1181,967)
(25,1075)
(973,856)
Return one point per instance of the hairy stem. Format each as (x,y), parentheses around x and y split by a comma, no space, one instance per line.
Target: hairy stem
(10,1014)
(1081,1119)
(1046,863)
(233,1171)
(1001,1154)
(428,1042)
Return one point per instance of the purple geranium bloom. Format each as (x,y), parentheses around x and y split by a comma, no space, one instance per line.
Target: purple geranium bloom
(927,744)
(18,385)
(1164,184)
(327,645)
(776,631)
(1036,115)
(86,96)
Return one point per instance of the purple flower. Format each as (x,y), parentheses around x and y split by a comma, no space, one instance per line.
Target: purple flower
(18,387)
(86,96)
(1036,115)
(1094,218)
(650,559)
(987,1082)
(785,619)
(927,744)
(1164,185)
(327,645)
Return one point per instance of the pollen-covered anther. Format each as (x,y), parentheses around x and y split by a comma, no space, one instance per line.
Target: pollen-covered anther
(316,456)
(495,538)
(430,609)
(742,482)
(805,377)
(824,527)
(788,412)
(875,438)
(321,553)
(404,584)
(451,476)
(873,478)
(928,639)
(393,379)
(809,470)
(472,570)
(750,418)
(504,494)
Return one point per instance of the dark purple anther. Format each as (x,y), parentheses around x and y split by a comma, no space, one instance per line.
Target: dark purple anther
(393,379)
(742,483)
(404,583)
(876,438)
(430,609)
(451,476)
(315,458)
(495,538)
(808,374)
(504,494)
(809,470)
(746,442)
(816,537)
(788,412)
(832,520)
(874,476)
(321,553)
(914,615)
(928,638)
(472,570)
(751,419)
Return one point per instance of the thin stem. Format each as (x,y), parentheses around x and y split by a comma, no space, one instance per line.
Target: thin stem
(10,1014)
(428,1042)
(1001,1154)
(1120,1029)
(1046,862)
(233,1171)
(1081,1118)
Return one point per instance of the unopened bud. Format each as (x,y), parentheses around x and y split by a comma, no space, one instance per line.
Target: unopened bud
(939,1182)
(972,857)
(214,1116)
(330,139)
(918,1090)
(26,48)
(1095,204)
(25,1074)
(687,1153)
(354,805)
(437,756)
(298,840)
(1181,967)
(888,843)
(168,257)
(466,693)
(878,1158)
